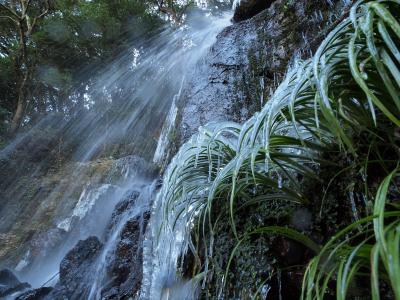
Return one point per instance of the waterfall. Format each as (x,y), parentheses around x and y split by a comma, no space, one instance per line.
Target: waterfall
(90,217)
(142,92)
(140,207)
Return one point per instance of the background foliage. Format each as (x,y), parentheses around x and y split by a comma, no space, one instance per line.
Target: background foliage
(68,45)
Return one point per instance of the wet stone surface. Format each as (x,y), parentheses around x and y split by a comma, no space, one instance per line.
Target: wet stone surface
(125,268)
(249,8)
(9,283)
(76,270)
(37,294)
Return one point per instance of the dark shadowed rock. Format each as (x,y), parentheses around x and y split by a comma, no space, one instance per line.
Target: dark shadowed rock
(125,269)
(249,8)
(10,284)
(123,206)
(302,219)
(8,278)
(290,252)
(76,270)
(80,256)
(37,294)
(286,285)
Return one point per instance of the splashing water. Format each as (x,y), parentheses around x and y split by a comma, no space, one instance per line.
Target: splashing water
(165,243)
(140,207)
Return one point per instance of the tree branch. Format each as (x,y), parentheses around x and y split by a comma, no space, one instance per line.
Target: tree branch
(10,10)
(8,17)
(35,19)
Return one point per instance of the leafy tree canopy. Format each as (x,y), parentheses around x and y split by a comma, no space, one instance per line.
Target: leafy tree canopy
(46,45)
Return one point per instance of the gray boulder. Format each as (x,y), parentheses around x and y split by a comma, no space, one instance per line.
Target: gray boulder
(124,271)
(249,8)
(9,283)
(37,294)
(76,270)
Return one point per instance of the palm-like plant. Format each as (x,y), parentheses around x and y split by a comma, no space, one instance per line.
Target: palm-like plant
(346,98)
(369,246)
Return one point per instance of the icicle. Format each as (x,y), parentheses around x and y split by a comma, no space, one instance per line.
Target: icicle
(184,193)
(280,181)
(211,246)
(209,172)
(235,4)
(221,289)
(198,148)
(364,176)
(279,275)
(210,167)
(262,91)
(354,207)
(219,157)
(266,164)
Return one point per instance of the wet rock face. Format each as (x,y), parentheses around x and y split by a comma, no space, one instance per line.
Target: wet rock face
(123,263)
(37,294)
(286,285)
(211,94)
(10,284)
(122,207)
(76,270)
(302,219)
(249,8)
(250,58)
(125,268)
(82,254)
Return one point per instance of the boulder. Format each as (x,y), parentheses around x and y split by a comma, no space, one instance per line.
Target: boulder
(77,260)
(77,270)
(8,278)
(247,9)
(9,283)
(37,294)
(123,206)
(125,268)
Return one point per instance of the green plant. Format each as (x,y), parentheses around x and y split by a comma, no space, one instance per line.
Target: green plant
(345,100)
(369,246)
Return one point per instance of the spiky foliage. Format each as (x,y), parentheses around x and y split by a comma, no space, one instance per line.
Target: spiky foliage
(344,100)
(369,246)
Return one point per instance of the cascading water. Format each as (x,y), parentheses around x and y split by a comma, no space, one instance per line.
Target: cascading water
(126,106)
(89,217)
(137,210)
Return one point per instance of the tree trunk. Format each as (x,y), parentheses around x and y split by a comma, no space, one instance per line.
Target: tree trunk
(18,115)
(21,63)
(25,26)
